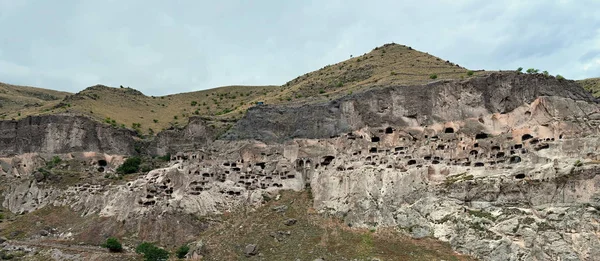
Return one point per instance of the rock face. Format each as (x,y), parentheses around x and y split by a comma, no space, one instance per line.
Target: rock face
(193,137)
(402,106)
(62,134)
(502,167)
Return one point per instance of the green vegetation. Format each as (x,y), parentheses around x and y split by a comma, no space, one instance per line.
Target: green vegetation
(182,251)
(578,163)
(433,76)
(520,69)
(113,245)
(546,73)
(53,162)
(470,73)
(482,214)
(166,157)
(457,178)
(194,103)
(560,77)
(131,165)
(532,71)
(152,252)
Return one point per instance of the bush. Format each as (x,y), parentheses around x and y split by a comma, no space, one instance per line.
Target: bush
(54,162)
(152,252)
(166,157)
(155,121)
(433,76)
(560,77)
(470,73)
(339,84)
(131,165)
(546,73)
(321,91)
(532,70)
(520,69)
(194,103)
(113,245)
(182,251)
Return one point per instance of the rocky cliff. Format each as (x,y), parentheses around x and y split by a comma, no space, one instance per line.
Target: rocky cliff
(403,106)
(502,167)
(62,134)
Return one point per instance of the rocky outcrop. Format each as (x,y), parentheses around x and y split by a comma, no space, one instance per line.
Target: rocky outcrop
(402,106)
(195,135)
(502,167)
(63,134)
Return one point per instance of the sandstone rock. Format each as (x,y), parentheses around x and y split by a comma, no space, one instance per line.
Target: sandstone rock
(502,167)
(290,222)
(280,209)
(251,250)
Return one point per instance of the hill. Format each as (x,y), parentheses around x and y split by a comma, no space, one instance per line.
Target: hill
(592,85)
(390,64)
(16,99)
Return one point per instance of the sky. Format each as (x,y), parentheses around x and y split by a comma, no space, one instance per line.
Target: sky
(165,47)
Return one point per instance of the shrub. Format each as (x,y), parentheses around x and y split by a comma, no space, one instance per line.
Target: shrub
(321,91)
(131,165)
(339,84)
(54,162)
(152,252)
(433,76)
(532,70)
(1,216)
(560,77)
(546,73)
(155,121)
(113,245)
(470,73)
(392,73)
(182,251)
(194,103)
(175,117)
(520,69)
(166,157)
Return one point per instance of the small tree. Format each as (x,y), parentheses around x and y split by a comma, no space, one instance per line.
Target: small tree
(194,103)
(152,252)
(470,73)
(182,251)
(560,77)
(532,70)
(546,73)
(520,69)
(113,245)
(131,165)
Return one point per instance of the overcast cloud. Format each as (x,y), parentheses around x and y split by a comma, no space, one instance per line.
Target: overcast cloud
(163,47)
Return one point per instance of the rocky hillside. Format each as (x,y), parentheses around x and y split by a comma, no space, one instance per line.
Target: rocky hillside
(494,166)
(125,107)
(592,85)
(23,100)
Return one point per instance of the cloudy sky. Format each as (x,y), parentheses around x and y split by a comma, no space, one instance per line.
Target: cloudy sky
(162,47)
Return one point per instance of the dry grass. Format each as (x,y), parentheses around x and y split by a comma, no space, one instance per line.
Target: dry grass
(592,85)
(15,100)
(313,236)
(390,64)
